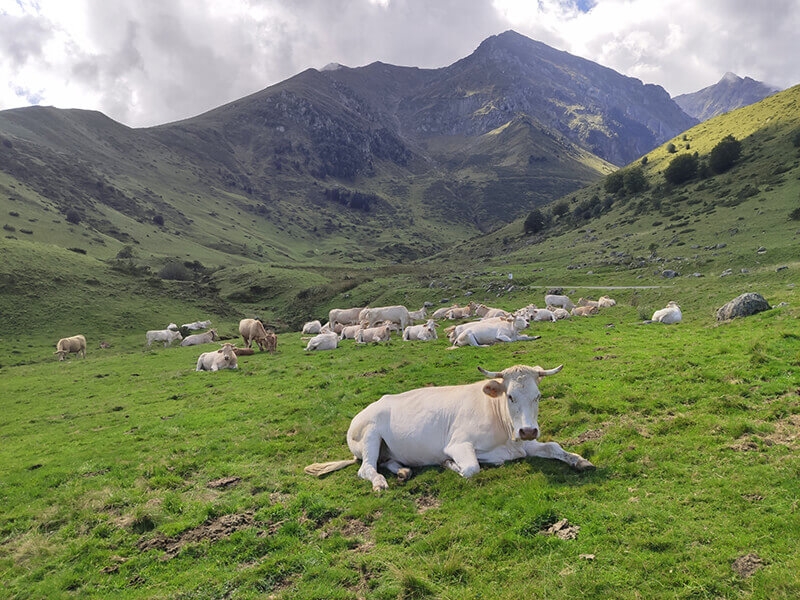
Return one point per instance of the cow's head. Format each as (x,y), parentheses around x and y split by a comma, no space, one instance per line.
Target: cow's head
(516,391)
(228,355)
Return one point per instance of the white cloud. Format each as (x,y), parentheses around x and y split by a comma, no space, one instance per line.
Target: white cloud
(150,62)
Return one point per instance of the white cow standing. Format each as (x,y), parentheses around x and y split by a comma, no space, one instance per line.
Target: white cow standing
(457,426)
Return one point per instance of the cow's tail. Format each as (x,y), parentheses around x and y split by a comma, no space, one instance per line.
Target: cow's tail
(320,469)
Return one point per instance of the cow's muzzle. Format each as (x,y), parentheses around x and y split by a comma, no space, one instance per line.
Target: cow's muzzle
(528,433)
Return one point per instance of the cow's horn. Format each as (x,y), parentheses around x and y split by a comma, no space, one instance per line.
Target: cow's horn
(550,371)
(489,374)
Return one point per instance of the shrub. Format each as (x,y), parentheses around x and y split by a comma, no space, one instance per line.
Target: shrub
(681,169)
(671,148)
(175,271)
(73,216)
(724,154)
(158,220)
(795,214)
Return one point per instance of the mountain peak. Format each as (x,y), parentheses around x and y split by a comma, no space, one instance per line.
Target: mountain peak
(730,78)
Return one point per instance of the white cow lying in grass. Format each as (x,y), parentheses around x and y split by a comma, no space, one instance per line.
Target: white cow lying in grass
(492,331)
(368,335)
(224,358)
(457,426)
(323,341)
(669,315)
(422,333)
(312,327)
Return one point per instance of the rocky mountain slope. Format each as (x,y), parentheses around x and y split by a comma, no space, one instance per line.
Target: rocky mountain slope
(372,163)
(729,93)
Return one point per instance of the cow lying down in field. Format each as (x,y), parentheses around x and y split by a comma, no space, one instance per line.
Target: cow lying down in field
(458,427)
(490,331)
(224,358)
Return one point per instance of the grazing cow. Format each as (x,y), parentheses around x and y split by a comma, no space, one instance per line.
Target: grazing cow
(163,335)
(75,344)
(323,341)
(196,325)
(344,316)
(200,338)
(370,317)
(253,329)
(349,332)
(669,315)
(312,327)
(418,315)
(441,313)
(560,301)
(584,311)
(422,333)
(271,342)
(367,335)
(492,331)
(224,358)
(457,426)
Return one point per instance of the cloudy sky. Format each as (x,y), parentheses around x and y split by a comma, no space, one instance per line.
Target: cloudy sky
(147,62)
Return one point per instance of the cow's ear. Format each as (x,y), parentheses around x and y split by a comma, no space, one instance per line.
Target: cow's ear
(493,389)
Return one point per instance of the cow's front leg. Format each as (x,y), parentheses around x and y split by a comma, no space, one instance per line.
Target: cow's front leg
(462,459)
(553,450)
(369,454)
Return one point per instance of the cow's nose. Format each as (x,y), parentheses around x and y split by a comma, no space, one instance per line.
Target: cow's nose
(528,433)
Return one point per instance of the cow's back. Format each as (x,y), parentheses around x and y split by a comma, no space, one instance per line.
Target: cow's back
(417,425)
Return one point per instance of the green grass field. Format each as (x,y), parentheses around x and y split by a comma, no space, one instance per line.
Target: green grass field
(130,475)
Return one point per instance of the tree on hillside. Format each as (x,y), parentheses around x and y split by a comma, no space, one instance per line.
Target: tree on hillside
(681,169)
(725,154)
(535,222)
(614,182)
(634,180)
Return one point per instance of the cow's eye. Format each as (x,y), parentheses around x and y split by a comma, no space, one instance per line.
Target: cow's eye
(511,398)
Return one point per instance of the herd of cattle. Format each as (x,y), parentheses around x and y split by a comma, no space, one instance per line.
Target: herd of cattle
(479,325)
(484,325)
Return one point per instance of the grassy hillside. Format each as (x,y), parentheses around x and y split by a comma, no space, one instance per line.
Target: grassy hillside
(130,475)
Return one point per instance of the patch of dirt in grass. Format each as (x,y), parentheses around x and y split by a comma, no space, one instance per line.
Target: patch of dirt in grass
(563,529)
(747,565)
(212,530)
(223,482)
(786,433)
(425,503)
(592,434)
(354,528)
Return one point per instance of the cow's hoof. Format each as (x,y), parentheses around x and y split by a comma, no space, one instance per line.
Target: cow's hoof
(379,484)
(404,474)
(584,465)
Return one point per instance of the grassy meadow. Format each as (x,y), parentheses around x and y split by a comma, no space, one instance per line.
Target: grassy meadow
(130,475)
